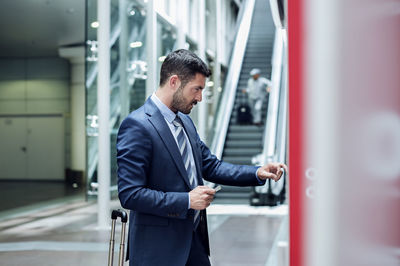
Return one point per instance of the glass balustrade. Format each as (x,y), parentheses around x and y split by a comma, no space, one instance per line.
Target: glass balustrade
(128,73)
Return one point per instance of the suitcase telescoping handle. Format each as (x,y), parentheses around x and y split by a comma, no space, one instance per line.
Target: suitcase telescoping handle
(124,219)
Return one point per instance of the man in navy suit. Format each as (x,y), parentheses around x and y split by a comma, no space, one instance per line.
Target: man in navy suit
(161,166)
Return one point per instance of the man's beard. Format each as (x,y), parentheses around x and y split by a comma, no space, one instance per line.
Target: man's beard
(178,102)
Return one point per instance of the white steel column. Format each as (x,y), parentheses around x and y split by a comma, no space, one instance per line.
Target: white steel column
(202,114)
(103,110)
(151,48)
(123,56)
(322,53)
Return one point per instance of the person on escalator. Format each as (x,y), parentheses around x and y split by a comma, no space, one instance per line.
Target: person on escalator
(257,89)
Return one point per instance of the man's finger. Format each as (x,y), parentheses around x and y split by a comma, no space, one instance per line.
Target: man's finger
(269,175)
(210,191)
(279,173)
(286,168)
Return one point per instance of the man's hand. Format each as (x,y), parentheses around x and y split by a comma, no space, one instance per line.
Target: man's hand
(272,171)
(201,197)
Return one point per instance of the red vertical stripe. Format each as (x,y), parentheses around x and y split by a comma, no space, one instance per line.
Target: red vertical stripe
(296,127)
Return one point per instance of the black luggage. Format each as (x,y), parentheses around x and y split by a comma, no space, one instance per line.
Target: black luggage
(124,219)
(244,115)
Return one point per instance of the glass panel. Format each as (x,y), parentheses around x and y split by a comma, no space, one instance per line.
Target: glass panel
(137,65)
(166,44)
(190,45)
(128,72)
(210,25)
(91,91)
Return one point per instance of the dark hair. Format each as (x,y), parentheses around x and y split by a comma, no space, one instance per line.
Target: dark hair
(183,63)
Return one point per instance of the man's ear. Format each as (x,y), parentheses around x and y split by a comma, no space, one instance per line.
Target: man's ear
(174,82)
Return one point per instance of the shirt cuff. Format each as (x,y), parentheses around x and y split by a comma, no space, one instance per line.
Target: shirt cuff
(188,201)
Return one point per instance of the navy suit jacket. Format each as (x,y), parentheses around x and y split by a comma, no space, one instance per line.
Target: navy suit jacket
(153,185)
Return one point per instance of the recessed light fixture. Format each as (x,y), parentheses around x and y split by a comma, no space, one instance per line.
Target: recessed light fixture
(94,24)
(162,58)
(210,83)
(135,44)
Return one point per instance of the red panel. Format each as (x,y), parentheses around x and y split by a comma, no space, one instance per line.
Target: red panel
(296,121)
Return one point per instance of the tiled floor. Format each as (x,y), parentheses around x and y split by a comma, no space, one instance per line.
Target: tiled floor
(64,233)
(18,194)
(244,240)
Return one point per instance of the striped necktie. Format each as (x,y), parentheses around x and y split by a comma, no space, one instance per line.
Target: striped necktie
(184,149)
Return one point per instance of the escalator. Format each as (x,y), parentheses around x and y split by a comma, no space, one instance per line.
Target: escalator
(245,141)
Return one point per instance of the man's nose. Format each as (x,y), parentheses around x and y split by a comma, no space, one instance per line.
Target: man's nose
(199,96)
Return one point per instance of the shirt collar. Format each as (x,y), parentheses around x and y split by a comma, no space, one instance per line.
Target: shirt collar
(165,111)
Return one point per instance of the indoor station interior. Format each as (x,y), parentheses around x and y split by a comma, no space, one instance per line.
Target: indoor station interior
(69,67)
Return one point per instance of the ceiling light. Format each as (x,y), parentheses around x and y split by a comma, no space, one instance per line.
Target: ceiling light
(95,24)
(210,83)
(132,12)
(135,44)
(162,58)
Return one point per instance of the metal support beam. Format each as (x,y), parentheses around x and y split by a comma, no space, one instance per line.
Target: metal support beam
(123,51)
(103,110)
(151,49)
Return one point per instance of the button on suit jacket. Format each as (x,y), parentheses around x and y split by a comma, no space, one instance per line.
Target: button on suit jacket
(153,185)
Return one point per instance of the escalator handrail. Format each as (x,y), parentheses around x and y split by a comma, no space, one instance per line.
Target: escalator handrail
(283,120)
(270,134)
(232,79)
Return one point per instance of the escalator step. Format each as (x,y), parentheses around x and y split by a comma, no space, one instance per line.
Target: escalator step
(243,136)
(237,160)
(242,152)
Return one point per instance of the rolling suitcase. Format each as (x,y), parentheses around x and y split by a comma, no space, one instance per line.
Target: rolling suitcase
(124,219)
(244,116)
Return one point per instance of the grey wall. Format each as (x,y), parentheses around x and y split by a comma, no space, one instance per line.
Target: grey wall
(36,86)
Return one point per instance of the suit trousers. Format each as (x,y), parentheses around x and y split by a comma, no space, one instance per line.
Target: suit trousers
(198,255)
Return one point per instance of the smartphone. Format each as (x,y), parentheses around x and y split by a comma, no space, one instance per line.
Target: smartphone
(218,188)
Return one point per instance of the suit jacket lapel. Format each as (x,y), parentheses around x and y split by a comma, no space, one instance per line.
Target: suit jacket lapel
(191,135)
(159,123)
